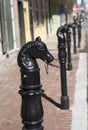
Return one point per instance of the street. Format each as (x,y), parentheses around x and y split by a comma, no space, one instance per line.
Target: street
(10,100)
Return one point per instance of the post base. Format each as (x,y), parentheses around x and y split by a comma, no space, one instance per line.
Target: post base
(65,103)
(69,66)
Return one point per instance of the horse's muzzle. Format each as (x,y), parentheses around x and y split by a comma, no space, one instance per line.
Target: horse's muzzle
(49,58)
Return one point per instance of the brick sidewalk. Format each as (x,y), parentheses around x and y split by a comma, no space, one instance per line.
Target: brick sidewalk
(55,118)
(10,100)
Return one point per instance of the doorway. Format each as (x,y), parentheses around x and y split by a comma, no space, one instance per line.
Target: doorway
(31,18)
(21,22)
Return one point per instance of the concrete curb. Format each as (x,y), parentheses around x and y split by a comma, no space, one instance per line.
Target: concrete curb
(79,108)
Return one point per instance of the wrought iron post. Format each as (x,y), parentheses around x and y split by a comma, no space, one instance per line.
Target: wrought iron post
(62,60)
(32,109)
(79,26)
(74,33)
(68,38)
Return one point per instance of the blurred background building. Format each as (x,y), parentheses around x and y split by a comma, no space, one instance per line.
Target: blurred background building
(24,20)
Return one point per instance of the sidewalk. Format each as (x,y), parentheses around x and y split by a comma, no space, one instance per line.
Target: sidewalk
(54,117)
(79,109)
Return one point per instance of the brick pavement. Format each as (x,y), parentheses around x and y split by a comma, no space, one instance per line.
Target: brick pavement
(10,100)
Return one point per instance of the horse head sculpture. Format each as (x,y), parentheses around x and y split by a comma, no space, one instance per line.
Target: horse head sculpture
(30,76)
(61,35)
(32,50)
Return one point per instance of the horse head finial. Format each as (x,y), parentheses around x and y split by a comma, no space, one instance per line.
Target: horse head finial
(41,51)
(31,51)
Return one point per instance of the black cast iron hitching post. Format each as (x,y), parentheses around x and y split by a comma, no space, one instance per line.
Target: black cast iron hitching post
(62,60)
(32,109)
(68,38)
(79,32)
(79,26)
(74,33)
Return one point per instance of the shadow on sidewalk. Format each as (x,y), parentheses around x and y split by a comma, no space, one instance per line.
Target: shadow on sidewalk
(44,95)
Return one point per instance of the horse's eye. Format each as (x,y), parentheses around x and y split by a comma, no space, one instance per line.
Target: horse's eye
(41,46)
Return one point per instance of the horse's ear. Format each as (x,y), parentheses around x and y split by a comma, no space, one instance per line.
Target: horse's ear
(38,39)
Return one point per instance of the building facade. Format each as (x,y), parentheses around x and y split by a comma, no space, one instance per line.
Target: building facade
(36,17)
(9,26)
(23,20)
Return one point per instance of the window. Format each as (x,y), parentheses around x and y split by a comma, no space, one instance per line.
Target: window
(30,12)
(37,12)
(42,11)
(30,3)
